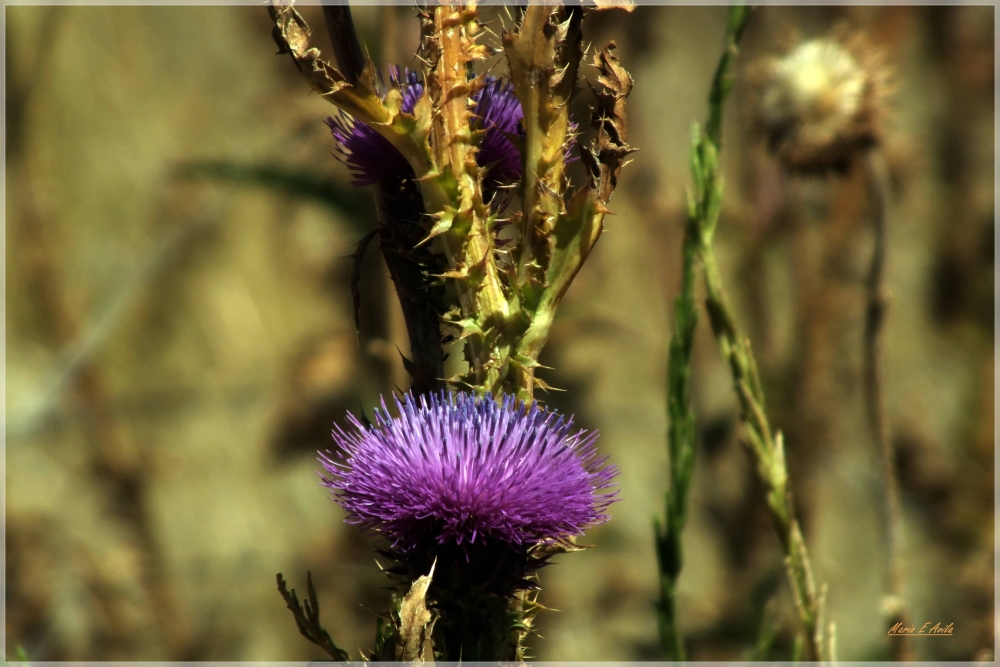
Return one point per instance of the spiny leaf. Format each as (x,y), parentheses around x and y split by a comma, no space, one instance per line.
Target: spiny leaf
(609,118)
(468,327)
(541,384)
(442,223)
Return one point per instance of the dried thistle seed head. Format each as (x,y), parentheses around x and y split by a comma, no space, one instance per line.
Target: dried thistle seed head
(821,102)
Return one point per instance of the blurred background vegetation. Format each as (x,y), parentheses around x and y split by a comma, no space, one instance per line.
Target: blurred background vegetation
(180,340)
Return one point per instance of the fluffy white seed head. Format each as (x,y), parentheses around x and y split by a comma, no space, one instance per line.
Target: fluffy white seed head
(819,103)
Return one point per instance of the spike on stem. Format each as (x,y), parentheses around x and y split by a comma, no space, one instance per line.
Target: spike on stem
(455,191)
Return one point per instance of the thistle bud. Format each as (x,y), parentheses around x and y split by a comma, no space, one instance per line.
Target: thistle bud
(821,102)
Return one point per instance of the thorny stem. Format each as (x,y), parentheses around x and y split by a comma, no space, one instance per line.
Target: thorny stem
(420,299)
(453,140)
(541,123)
(876,171)
(560,233)
(455,28)
(531,57)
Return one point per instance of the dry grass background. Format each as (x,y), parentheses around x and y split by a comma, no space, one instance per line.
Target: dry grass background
(178,343)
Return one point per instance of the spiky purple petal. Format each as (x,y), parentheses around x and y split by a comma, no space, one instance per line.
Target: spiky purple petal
(368,155)
(456,469)
(498,111)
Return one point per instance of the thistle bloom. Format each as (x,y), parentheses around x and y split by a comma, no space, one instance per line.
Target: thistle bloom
(458,470)
(372,159)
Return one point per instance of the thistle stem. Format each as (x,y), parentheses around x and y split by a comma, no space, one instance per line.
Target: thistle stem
(542,118)
(420,299)
(344,39)
(469,251)
(877,175)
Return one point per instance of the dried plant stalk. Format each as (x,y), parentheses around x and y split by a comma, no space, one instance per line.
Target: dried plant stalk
(894,607)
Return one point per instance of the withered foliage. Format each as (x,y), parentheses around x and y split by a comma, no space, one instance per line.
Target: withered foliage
(438,233)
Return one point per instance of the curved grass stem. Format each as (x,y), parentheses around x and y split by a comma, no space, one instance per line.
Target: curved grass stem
(681,434)
(764,444)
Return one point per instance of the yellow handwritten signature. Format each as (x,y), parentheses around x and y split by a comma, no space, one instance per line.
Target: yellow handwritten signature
(926,629)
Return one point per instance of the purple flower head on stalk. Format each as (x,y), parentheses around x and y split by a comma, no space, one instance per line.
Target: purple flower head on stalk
(372,159)
(457,470)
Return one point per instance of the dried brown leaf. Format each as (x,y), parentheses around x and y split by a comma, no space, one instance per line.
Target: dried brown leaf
(609,118)
(416,623)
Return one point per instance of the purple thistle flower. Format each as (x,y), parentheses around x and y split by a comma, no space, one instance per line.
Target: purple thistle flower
(498,111)
(368,155)
(372,159)
(454,470)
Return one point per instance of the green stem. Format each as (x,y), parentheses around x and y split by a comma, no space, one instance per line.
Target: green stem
(764,444)
(681,446)
(722,82)
(681,434)
(766,449)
